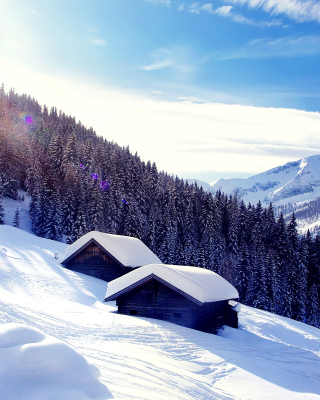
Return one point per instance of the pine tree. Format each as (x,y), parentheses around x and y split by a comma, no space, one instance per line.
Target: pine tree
(1,213)
(70,156)
(313,308)
(56,151)
(301,285)
(95,209)
(16,219)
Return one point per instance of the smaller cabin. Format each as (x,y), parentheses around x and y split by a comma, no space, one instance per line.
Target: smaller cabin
(106,256)
(189,296)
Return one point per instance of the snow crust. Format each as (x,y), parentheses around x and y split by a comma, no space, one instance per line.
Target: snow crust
(129,251)
(201,284)
(38,366)
(268,357)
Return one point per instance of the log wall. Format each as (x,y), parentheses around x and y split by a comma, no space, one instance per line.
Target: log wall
(153,299)
(93,261)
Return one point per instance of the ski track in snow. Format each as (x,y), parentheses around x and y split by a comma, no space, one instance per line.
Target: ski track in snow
(268,357)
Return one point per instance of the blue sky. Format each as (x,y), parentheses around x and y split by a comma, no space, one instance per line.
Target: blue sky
(169,57)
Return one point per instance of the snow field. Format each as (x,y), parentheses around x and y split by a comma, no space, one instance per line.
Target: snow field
(38,366)
(53,321)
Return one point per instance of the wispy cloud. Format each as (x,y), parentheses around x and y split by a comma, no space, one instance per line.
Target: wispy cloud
(299,10)
(98,42)
(165,2)
(35,12)
(285,47)
(175,57)
(227,12)
(95,39)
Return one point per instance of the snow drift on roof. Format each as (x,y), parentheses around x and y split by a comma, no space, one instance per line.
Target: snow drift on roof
(201,284)
(129,251)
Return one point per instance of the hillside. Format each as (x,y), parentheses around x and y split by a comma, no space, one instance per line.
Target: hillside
(268,357)
(66,181)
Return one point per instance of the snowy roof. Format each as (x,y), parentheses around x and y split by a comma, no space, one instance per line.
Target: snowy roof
(129,251)
(199,284)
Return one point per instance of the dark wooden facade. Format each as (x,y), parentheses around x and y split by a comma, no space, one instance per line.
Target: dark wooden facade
(155,299)
(93,260)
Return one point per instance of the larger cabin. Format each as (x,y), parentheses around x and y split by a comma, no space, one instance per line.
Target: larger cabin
(189,296)
(107,256)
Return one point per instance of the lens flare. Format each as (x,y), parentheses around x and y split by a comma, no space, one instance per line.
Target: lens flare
(27,118)
(104,185)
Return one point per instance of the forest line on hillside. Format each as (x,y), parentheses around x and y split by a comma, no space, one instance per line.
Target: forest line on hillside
(80,182)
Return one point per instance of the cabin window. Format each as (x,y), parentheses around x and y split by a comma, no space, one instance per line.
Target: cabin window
(177,315)
(133,312)
(146,296)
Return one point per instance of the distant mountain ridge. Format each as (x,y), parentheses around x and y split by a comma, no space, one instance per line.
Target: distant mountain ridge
(294,186)
(293,182)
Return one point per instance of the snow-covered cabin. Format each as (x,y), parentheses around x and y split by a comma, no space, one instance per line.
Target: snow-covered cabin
(107,256)
(189,296)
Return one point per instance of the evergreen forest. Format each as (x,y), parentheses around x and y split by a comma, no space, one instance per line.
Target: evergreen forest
(79,182)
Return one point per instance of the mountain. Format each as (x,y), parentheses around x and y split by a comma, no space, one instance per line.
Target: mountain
(59,340)
(294,186)
(293,182)
(205,185)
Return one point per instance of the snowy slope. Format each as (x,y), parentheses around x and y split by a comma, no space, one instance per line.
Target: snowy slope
(293,182)
(10,206)
(269,357)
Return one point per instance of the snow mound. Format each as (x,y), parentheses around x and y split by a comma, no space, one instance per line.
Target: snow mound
(201,284)
(129,251)
(37,366)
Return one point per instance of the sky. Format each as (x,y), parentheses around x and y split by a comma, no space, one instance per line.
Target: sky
(207,90)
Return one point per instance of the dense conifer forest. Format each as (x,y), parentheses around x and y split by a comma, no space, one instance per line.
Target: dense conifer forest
(80,182)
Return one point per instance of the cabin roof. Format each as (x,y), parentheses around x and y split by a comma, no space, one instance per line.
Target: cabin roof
(197,284)
(129,251)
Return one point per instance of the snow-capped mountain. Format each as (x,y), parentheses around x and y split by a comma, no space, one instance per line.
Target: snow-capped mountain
(294,182)
(294,186)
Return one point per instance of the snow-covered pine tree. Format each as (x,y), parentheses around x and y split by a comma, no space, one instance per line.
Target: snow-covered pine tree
(16,219)
(95,209)
(56,151)
(1,213)
(70,156)
(301,284)
(313,307)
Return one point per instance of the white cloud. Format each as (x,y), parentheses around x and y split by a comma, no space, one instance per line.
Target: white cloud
(299,10)
(285,47)
(181,137)
(228,12)
(161,58)
(208,7)
(177,58)
(98,42)
(35,12)
(165,2)
(194,8)
(224,10)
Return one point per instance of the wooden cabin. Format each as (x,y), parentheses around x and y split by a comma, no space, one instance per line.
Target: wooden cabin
(189,296)
(107,256)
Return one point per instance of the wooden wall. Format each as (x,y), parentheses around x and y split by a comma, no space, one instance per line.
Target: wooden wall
(93,261)
(153,299)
